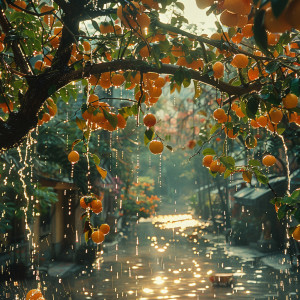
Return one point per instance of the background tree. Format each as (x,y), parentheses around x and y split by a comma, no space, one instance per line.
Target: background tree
(251,61)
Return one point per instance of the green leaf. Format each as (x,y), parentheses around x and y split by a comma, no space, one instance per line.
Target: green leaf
(272,98)
(215,128)
(179,76)
(295,86)
(278,7)
(95,25)
(96,159)
(282,211)
(227,173)
(180,5)
(272,66)
(170,148)
(112,119)
(297,215)
(281,128)
(296,194)
(262,178)
(252,106)
(228,162)
(259,31)
(75,143)
(254,163)
(208,151)
(148,136)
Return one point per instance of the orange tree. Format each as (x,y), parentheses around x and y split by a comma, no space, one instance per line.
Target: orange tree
(252,61)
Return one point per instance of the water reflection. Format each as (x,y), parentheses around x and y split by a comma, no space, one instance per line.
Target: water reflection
(177,259)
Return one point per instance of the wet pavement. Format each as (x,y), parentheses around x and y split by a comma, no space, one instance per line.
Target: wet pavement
(165,260)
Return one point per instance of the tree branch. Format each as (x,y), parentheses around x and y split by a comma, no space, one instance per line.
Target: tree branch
(20,123)
(140,65)
(19,57)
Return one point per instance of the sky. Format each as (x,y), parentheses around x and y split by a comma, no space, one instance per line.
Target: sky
(198,16)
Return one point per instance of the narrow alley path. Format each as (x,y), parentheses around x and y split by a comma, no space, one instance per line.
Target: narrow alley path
(161,260)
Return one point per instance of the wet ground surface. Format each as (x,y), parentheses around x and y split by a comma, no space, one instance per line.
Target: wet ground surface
(154,262)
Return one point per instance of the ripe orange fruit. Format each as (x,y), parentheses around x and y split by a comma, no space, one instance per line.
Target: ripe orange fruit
(275,115)
(239,113)
(93,80)
(191,144)
(268,160)
(242,21)
(182,62)
(39,65)
(253,73)
(144,52)
(83,203)
(229,133)
(219,114)
(292,117)
(240,61)
(204,3)
(159,82)
(228,18)
(207,160)
(121,121)
(242,7)
(105,228)
(296,233)
(143,20)
(254,124)
(215,166)
(222,169)
(237,38)
(73,157)
(247,31)
(34,294)
(262,121)
(156,146)
(177,51)
(48,59)
(273,24)
(86,46)
(19,3)
(196,64)
(117,80)
(290,101)
(97,237)
(293,12)
(93,99)
(149,120)
(96,206)
(46,8)
(218,69)
(247,176)
(54,41)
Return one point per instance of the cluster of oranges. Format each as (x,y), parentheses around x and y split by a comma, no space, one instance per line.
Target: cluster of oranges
(98,236)
(49,112)
(94,204)
(215,166)
(268,119)
(97,114)
(134,14)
